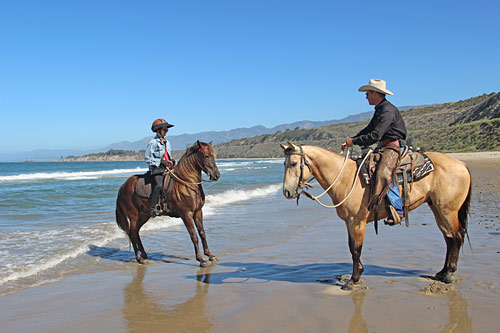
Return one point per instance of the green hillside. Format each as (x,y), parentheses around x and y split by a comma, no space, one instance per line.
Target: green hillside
(469,125)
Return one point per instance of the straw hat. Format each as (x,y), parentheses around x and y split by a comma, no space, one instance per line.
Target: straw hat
(376,85)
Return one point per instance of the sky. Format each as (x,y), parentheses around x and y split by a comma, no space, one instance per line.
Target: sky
(83,74)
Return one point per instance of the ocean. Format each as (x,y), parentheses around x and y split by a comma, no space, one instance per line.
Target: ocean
(58,218)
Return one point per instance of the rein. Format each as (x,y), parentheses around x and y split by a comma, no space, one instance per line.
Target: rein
(171,172)
(315,198)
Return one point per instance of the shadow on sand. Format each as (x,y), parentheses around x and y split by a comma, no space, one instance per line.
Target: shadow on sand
(112,253)
(310,273)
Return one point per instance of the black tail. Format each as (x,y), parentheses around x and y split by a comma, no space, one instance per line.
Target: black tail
(463,214)
(121,216)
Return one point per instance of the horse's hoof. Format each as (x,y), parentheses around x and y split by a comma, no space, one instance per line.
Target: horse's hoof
(445,278)
(141,260)
(214,259)
(348,286)
(204,264)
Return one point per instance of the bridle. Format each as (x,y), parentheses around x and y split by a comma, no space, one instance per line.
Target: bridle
(303,163)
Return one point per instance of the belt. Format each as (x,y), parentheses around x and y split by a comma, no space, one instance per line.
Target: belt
(388,143)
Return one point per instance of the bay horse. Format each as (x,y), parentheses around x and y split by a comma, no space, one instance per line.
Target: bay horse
(447,191)
(185,200)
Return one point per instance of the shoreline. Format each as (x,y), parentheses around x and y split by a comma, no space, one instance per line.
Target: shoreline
(465,156)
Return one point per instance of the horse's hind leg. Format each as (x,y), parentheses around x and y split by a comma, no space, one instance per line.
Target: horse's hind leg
(453,245)
(198,219)
(453,236)
(140,253)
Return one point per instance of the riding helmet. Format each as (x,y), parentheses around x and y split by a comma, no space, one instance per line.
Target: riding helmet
(160,123)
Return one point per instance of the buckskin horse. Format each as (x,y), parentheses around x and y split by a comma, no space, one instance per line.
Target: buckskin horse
(185,200)
(447,191)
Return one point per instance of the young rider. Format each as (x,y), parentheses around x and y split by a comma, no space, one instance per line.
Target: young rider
(158,156)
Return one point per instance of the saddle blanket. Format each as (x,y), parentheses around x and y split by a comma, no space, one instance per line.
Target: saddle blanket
(416,165)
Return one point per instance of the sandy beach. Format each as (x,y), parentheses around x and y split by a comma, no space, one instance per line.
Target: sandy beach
(289,284)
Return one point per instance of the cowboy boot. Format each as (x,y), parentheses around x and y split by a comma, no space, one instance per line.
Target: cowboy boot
(393,216)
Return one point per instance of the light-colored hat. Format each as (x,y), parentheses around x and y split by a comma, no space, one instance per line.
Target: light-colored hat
(376,85)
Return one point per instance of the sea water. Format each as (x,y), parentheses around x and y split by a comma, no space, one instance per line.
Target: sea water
(59,217)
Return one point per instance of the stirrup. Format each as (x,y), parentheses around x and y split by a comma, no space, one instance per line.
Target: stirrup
(156,211)
(395,219)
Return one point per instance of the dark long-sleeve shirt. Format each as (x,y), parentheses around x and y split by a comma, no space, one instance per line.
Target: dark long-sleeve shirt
(386,123)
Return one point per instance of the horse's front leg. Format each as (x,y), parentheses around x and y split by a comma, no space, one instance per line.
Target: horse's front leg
(198,219)
(356,232)
(189,223)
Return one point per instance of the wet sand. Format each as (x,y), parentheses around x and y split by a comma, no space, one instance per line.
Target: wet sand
(290,285)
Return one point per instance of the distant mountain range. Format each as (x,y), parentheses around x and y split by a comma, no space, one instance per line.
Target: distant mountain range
(179,142)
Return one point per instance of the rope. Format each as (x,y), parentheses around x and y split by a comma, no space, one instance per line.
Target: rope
(335,180)
(352,188)
(171,171)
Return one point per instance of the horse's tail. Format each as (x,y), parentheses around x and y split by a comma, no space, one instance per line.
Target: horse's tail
(121,214)
(463,213)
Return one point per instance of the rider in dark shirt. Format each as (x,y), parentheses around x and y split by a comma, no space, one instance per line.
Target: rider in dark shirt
(387,129)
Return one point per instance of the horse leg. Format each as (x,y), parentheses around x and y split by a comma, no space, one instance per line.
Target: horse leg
(356,237)
(140,253)
(198,219)
(450,265)
(143,218)
(453,234)
(189,223)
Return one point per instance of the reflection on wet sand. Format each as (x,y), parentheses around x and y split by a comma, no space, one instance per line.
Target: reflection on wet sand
(144,311)
(459,319)
(357,323)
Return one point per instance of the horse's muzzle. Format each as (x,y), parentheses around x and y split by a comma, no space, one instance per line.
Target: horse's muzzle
(290,195)
(214,175)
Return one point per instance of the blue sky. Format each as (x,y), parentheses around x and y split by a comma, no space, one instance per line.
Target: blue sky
(84,74)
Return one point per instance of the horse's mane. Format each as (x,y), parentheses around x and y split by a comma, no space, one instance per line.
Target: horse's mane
(188,166)
(323,151)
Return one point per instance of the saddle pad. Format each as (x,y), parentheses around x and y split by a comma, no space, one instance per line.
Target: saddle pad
(143,186)
(422,166)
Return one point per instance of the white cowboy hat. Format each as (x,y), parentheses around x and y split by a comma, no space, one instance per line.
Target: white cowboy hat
(376,85)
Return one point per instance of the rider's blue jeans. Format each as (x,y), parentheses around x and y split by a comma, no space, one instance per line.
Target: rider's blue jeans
(394,198)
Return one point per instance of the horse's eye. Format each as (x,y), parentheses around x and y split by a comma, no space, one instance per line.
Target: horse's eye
(293,164)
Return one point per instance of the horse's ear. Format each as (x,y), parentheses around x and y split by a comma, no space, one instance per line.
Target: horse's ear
(210,143)
(294,147)
(283,147)
(198,143)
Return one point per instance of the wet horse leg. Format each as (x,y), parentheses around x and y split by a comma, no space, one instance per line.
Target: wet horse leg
(453,245)
(198,219)
(449,225)
(140,253)
(143,218)
(356,237)
(189,223)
